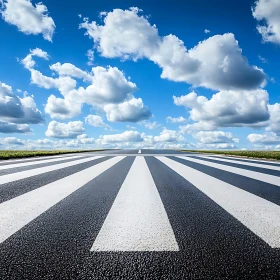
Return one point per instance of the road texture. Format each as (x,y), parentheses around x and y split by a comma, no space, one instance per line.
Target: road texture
(139,214)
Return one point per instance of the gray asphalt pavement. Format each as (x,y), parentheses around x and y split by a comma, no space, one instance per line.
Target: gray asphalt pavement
(139,214)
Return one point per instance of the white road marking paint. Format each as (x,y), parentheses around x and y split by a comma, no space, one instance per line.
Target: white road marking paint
(139,152)
(137,220)
(244,163)
(36,163)
(260,216)
(19,211)
(28,173)
(275,180)
(245,158)
(28,159)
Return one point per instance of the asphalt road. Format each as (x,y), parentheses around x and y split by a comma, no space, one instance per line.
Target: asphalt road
(148,214)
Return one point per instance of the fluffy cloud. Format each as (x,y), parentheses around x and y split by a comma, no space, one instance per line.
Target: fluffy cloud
(132,110)
(274,121)
(68,69)
(81,142)
(16,113)
(268,11)
(169,136)
(65,130)
(150,125)
(127,136)
(11,141)
(90,56)
(215,63)
(28,61)
(62,108)
(168,139)
(269,138)
(215,137)
(176,120)
(29,19)
(204,126)
(107,90)
(14,128)
(222,146)
(17,110)
(95,120)
(226,109)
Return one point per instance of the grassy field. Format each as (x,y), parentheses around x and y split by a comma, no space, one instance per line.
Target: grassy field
(22,154)
(252,154)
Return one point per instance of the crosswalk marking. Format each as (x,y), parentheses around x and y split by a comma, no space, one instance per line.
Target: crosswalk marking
(244,163)
(36,158)
(247,173)
(28,173)
(23,164)
(245,159)
(19,211)
(259,215)
(137,220)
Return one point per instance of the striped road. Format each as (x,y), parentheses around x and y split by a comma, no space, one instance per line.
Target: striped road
(139,214)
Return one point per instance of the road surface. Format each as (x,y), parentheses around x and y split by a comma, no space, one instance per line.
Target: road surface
(139,214)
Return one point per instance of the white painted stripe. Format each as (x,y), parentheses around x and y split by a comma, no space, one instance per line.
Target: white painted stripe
(28,173)
(23,164)
(137,220)
(38,158)
(260,216)
(18,212)
(247,173)
(245,158)
(139,152)
(244,163)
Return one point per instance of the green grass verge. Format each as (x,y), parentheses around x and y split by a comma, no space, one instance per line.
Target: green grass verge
(22,154)
(253,154)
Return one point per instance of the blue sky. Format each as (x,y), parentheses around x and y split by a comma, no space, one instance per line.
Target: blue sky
(192,74)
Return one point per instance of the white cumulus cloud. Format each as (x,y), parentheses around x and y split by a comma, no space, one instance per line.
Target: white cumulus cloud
(227,108)
(126,136)
(274,121)
(169,136)
(28,18)
(96,121)
(215,63)
(107,89)
(215,137)
(6,127)
(176,120)
(269,12)
(150,125)
(65,130)
(132,110)
(18,110)
(269,138)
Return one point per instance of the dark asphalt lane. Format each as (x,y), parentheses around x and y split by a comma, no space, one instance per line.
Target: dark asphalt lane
(263,161)
(19,187)
(33,159)
(242,166)
(10,170)
(63,235)
(212,243)
(265,190)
